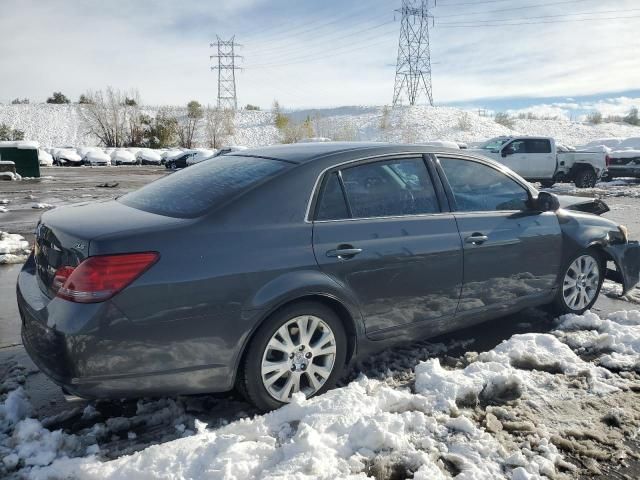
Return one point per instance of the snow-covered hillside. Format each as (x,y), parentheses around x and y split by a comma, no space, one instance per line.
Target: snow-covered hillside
(60,125)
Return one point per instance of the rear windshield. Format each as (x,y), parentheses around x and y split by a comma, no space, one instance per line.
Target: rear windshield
(198,188)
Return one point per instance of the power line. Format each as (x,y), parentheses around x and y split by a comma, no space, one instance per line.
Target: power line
(545,16)
(479,25)
(510,9)
(323,42)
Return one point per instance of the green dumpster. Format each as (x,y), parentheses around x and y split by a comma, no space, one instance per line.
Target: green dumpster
(24,155)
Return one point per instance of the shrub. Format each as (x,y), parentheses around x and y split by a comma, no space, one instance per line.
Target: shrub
(464,122)
(594,117)
(20,101)
(58,97)
(10,134)
(504,119)
(632,117)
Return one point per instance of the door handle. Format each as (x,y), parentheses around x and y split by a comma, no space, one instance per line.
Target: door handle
(344,252)
(476,239)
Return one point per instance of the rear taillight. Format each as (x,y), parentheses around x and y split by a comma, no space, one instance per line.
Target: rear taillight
(607,160)
(99,278)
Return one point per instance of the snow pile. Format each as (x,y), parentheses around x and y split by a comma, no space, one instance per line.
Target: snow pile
(42,206)
(614,341)
(621,187)
(491,419)
(13,248)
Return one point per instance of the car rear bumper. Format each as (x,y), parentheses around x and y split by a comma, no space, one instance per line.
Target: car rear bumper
(93,351)
(626,257)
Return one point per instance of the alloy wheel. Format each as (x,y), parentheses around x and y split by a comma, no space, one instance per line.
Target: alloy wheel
(299,357)
(581,282)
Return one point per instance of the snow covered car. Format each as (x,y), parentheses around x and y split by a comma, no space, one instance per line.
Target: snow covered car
(179,161)
(45,159)
(201,154)
(96,157)
(149,157)
(229,149)
(67,157)
(279,266)
(123,157)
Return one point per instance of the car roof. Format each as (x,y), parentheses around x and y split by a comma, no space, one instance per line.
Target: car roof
(306,152)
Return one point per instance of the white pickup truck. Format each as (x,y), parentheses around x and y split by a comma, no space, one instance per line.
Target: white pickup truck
(539,159)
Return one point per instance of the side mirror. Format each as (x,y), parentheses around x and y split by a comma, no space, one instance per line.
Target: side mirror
(546,202)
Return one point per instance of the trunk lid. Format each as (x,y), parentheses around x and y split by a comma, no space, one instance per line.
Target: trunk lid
(64,235)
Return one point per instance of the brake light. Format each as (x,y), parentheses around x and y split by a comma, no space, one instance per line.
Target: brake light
(99,278)
(607,160)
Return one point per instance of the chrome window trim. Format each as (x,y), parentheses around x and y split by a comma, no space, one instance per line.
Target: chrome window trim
(462,156)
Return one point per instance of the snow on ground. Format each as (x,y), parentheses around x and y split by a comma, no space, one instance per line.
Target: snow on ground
(620,187)
(539,405)
(60,125)
(13,248)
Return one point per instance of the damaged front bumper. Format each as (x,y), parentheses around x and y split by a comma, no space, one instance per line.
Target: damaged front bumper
(626,257)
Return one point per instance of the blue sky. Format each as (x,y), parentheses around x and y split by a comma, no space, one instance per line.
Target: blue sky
(496,54)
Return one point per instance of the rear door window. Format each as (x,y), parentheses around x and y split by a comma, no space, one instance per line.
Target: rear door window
(198,188)
(332,205)
(390,188)
(538,145)
(478,187)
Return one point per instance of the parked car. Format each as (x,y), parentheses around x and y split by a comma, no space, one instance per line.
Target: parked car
(272,269)
(538,160)
(180,161)
(96,157)
(200,154)
(45,159)
(147,156)
(124,157)
(67,157)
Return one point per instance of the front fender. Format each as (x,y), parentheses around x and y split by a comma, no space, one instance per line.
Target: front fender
(626,257)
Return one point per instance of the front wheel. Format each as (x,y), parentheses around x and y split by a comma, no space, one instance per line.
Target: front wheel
(585,178)
(581,282)
(301,348)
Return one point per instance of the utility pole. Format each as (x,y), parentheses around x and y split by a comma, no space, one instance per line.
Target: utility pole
(227,99)
(413,68)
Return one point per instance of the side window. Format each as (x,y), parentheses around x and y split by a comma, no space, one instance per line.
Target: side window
(390,188)
(477,187)
(332,205)
(538,146)
(517,146)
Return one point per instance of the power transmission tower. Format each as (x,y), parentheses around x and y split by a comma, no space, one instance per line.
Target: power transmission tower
(226,67)
(413,68)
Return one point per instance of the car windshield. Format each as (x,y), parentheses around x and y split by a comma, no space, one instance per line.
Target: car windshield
(193,191)
(494,143)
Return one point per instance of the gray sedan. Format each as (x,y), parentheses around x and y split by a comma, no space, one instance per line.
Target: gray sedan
(270,270)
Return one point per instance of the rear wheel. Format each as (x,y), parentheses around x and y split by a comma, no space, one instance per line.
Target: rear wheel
(301,348)
(585,178)
(581,282)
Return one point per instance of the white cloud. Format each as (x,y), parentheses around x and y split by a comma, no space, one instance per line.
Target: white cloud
(162,48)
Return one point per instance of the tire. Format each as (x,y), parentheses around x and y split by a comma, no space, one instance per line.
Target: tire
(547,183)
(588,286)
(268,375)
(585,178)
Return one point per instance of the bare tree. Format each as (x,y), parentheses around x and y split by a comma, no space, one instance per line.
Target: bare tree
(108,118)
(218,126)
(189,124)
